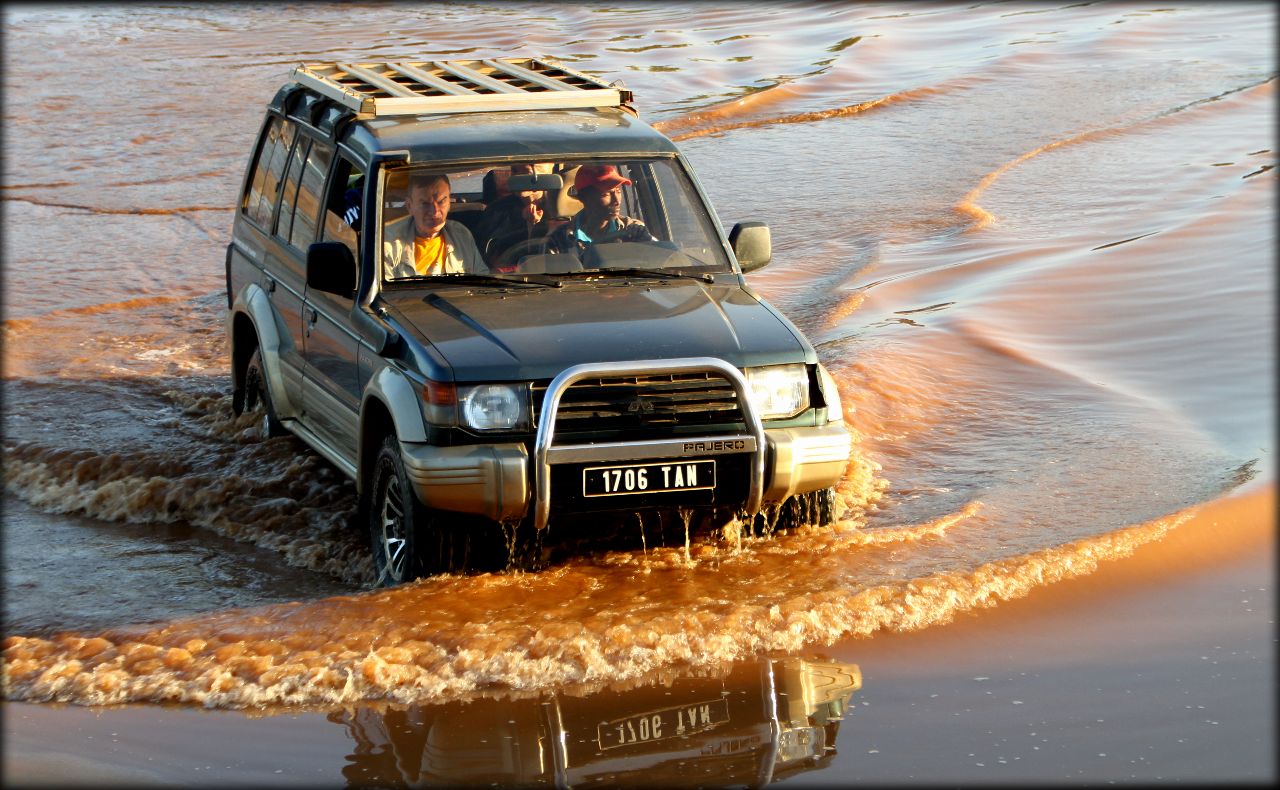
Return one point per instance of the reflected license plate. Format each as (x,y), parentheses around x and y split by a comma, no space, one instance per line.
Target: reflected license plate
(648,478)
(659,725)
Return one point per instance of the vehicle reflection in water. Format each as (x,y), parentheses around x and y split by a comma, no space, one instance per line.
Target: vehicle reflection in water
(761,721)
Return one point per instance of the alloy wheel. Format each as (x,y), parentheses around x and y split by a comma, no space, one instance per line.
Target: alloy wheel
(393,540)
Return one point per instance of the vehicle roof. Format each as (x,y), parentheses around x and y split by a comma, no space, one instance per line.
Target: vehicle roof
(522,135)
(527,134)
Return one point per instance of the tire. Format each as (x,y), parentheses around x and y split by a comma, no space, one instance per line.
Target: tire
(396,519)
(408,539)
(258,397)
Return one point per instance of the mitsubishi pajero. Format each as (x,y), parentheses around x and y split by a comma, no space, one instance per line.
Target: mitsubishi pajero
(602,354)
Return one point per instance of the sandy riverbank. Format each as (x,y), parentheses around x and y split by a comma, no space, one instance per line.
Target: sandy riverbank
(1158,666)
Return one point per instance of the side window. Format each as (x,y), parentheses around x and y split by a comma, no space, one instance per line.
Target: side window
(309,195)
(343,205)
(265,185)
(293,175)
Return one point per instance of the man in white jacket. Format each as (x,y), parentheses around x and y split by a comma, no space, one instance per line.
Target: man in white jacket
(427,242)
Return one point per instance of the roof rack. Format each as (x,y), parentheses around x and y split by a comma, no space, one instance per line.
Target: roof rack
(444,86)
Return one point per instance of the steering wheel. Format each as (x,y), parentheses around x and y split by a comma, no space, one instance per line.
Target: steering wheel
(511,256)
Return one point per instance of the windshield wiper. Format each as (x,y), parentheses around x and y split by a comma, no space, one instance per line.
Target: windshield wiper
(525,280)
(663,274)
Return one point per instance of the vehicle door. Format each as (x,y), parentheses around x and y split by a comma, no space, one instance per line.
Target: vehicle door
(331,387)
(280,273)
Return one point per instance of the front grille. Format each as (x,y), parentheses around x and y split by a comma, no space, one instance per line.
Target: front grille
(653,402)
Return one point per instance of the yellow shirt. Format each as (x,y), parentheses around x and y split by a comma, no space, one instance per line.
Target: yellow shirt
(428,255)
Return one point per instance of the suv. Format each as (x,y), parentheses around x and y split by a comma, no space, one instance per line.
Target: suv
(549,379)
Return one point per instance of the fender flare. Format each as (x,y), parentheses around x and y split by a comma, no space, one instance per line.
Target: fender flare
(253,303)
(389,395)
(398,395)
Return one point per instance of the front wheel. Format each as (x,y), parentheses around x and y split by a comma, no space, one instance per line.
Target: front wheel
(396,519)
(408,539)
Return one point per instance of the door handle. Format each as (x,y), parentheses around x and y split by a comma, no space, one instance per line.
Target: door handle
(312,315)
(271,286)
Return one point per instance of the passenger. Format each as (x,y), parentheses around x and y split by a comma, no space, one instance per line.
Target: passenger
(511,219)
(494,186)
(351,201)
(427,242)
(599,188)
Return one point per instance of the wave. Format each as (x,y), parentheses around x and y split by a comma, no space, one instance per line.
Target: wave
(266,493)
(981,218)
(349,649)
(24,324)
(176,211)
(913,94)
(270,494)
(180,333)
(39,185)
(174,179)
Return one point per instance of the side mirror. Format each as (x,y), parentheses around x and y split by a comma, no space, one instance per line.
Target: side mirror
(752,244)
(534,182)
(331,268)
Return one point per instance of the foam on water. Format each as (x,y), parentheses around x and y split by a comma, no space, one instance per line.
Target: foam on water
(390,645)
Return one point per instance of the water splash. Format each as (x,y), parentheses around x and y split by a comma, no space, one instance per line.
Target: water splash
(353,648)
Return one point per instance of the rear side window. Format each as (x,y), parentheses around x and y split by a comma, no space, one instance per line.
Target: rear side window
(267,171)
(293,175)
(309,195)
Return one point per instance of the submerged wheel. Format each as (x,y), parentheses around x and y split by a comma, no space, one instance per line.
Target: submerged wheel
(258,398)
(408,539)
(394,519)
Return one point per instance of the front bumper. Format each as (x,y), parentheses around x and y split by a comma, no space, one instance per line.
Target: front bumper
(497,480)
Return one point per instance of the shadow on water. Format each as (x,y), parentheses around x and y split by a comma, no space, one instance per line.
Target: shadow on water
(759,722)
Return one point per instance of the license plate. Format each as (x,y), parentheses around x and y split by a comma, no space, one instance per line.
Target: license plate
(659,725)
(648,478)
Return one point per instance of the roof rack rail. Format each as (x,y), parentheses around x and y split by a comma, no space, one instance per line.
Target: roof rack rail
(445,86)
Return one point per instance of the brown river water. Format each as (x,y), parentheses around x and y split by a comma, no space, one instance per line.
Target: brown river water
(1033,242)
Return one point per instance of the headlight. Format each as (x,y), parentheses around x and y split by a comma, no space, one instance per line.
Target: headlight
(779,390)
(493,407)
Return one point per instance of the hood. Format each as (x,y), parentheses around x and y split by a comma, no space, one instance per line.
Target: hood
(531,334)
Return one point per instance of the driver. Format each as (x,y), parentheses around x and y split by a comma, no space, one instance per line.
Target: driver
(599,188)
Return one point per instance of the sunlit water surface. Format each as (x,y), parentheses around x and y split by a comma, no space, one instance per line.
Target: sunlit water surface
(1034,244)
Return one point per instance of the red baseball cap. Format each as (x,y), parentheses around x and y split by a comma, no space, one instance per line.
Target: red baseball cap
(604,177)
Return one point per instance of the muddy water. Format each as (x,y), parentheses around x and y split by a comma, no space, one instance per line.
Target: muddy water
(1034,244)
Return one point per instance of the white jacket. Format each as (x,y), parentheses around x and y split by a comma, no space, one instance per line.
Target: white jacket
(460,256)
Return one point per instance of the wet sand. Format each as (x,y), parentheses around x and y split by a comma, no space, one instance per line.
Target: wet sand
(1158,666)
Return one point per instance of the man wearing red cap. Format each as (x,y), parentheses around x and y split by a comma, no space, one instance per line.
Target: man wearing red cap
(599,188)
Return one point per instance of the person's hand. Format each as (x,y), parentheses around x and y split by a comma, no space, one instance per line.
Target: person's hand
(532,213)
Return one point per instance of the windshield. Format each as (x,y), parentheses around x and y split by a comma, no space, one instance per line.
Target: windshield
(561,218)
